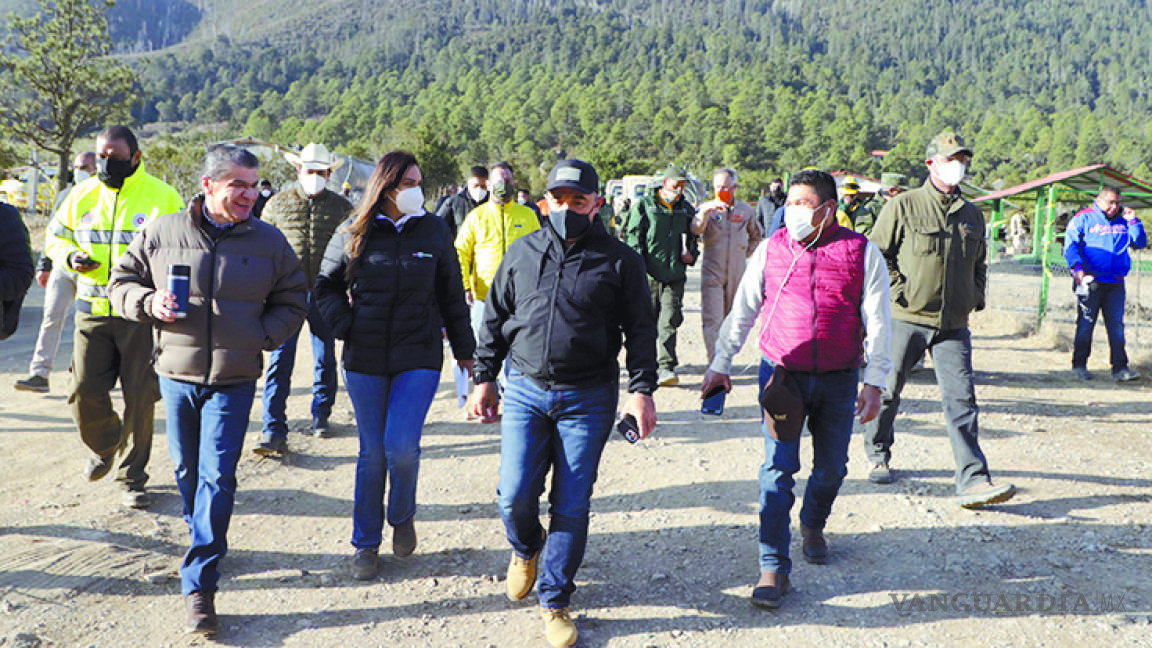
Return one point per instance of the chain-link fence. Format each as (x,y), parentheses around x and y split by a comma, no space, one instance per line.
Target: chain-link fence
(1017,285)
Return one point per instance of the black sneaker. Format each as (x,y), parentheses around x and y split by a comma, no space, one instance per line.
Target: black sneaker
(201,613)
(135,497)
(272,447)
(320,427)
(365,564)
(33,383)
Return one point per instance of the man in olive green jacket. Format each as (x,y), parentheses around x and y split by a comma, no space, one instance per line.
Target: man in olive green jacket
(933,241)
(660,229)
(308,213)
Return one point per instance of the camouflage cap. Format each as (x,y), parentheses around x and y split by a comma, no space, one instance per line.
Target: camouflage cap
(947,144)
(889,180)
(675,173)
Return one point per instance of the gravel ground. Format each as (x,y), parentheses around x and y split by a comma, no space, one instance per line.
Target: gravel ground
(672,555)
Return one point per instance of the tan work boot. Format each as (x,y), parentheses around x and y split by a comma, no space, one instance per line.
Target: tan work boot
(558,627)
(522,573)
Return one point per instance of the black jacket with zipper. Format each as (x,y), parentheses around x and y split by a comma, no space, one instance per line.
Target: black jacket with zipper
(558,314)
(406,286)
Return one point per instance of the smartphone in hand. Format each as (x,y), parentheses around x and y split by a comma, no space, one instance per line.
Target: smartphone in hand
(628,428)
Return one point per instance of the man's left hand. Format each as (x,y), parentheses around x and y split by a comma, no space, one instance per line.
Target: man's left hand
(687,257)
(868,403)
(644,409)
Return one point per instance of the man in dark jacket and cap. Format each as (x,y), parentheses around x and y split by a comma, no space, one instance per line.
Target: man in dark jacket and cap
(558,307)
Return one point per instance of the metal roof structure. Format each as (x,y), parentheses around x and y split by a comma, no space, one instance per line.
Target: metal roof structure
(1086,180)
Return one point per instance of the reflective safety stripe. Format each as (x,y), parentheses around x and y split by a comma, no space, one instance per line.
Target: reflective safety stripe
(100,237)
(91,291)
(60,230)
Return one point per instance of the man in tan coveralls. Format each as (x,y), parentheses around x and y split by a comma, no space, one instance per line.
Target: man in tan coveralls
(730,233)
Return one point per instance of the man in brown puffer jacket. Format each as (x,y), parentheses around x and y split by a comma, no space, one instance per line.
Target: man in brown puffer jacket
(308,213)
(246,294)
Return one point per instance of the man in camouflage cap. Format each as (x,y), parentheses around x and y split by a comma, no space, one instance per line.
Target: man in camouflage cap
(933,241)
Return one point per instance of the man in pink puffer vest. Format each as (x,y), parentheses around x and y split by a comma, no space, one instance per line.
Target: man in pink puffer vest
(821,292)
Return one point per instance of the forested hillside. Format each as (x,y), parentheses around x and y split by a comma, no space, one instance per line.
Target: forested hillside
(766,86)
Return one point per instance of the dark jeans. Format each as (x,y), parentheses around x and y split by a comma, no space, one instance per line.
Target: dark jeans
(668,303)
(278,377)
(952,360)
(829,405)
(206,426)
(565,431)
(1107,298)
(106,349)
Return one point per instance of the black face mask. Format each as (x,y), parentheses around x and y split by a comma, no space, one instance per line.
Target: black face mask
(114,172)
(569,224)
(503,190)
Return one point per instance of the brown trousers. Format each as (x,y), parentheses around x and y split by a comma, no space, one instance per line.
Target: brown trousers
(106,349)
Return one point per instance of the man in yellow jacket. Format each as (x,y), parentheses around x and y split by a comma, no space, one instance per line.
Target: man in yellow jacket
(88,233)
(485,235)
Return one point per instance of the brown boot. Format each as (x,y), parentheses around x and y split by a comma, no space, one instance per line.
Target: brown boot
(201,613)
(815,548)
(770,590)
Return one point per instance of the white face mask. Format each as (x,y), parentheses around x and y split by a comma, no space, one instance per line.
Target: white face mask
(267,193)
(313,184)
(477,193)
(80,175)
(949,173)
(410,201)
(798,221)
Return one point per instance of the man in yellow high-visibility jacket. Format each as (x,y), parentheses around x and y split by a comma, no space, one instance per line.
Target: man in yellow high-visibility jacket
(88,233)
(485,235)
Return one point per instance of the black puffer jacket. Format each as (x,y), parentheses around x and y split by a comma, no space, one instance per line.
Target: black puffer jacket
(558,313)
(406,284)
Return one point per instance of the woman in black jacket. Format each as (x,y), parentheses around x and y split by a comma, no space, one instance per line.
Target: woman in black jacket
(389,280)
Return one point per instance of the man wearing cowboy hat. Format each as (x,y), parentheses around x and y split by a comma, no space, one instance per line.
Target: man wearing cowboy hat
(308,213)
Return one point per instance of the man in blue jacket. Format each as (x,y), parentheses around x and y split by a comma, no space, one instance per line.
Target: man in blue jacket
(1096,248)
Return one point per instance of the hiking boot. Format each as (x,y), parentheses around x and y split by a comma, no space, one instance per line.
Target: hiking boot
(522,574)
(815,547)
(667,378)
(404,539)
(1125,375)
(880,473)
(33,383)
(135,497)
(1082,373)
(365,564)
(320,427)
(201,613)
(97,467)
(770,594)
(984,494)
(276,446)
(558,627)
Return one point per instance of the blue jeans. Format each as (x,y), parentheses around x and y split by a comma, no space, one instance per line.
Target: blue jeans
(390,413)
(278,377)
(565,431)
(1109,299)
(829,405)
(206,426)
(952,361)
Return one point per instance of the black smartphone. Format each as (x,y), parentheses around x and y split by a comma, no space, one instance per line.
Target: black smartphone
(714,392)
(628,428)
